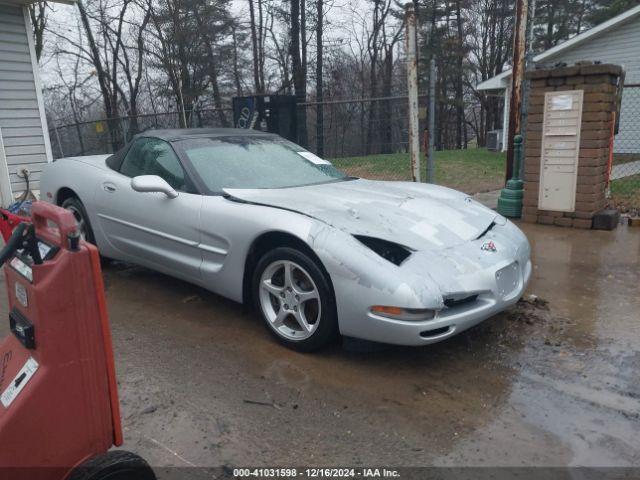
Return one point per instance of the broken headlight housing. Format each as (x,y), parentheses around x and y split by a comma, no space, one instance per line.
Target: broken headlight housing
(390,251)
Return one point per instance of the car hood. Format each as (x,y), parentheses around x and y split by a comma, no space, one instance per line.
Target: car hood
(419,216)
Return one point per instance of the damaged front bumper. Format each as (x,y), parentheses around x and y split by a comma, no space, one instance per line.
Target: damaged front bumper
(465,313)
(464,284)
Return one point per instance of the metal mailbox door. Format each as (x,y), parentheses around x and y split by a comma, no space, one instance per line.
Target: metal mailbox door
(559,150)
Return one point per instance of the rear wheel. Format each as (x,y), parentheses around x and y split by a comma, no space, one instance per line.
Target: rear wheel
(114,465)
(295,299)
(75,206)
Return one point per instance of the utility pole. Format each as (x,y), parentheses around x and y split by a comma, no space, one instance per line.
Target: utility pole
(412,85)
(319,84)
(517,74)
(431,162)
(526,85)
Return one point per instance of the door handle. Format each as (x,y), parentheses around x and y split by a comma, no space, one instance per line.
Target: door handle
(109,187)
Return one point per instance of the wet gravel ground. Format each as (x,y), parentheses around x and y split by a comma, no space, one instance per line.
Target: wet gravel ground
(552,382)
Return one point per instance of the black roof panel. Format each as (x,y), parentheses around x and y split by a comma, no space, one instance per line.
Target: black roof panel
(174,134)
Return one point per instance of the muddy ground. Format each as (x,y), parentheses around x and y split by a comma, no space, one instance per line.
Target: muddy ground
(551,382)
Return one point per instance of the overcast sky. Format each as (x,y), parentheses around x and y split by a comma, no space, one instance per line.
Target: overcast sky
(342,20)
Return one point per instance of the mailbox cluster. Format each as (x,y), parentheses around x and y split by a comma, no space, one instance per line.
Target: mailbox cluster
(569,132)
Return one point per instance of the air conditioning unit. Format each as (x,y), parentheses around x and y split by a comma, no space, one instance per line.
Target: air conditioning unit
(269,113)
(494,140)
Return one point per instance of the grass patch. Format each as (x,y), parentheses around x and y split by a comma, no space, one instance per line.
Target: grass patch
(625,192)
(471,171)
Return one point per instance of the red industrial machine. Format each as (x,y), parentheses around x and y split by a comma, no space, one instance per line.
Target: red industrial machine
(9,221)
(59,409)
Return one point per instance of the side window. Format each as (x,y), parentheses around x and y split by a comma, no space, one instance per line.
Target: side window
(152,156)
(134,161)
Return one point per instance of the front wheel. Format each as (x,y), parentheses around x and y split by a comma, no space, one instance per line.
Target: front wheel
(295,299)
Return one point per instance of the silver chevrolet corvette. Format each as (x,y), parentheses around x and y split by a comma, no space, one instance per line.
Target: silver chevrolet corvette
(260,220)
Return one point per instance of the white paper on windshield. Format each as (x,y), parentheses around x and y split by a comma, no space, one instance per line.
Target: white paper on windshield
(313,158)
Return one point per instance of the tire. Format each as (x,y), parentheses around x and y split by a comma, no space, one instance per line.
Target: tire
(299,312)
(75,206)
(114,465)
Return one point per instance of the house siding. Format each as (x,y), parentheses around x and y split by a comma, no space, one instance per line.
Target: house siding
(620,46)
(21,116)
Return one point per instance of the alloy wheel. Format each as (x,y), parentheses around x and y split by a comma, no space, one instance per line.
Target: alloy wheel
(290,300)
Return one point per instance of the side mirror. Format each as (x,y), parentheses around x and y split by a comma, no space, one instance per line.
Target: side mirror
(152,183)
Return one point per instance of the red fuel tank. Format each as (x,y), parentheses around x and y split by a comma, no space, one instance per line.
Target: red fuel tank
(58,393)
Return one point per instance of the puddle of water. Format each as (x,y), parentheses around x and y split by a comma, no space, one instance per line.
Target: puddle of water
(533,386)
(576,394)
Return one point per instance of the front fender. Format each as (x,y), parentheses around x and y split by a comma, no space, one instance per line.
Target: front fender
(361,278)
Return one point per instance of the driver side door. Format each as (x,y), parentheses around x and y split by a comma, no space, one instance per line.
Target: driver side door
(152,229)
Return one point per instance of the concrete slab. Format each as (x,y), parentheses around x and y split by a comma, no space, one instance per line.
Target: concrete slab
(551,382)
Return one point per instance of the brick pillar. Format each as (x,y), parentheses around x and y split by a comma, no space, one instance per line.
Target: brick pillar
(599,85)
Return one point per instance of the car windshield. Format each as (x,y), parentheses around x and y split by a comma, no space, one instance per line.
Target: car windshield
(256,162)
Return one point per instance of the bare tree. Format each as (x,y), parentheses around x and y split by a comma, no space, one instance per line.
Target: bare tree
(73,89)
(177,47)
(38,15)
(237,39)
(390,37)
(190,55)
(258,84)
(277,50)
(489,43)
(104,58)
(378,41)
(111,43)
(130,56)
(215,24)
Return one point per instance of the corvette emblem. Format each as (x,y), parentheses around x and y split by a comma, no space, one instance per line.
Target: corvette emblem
(489,247)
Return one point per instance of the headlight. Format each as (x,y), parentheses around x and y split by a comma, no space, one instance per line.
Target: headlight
(390,251)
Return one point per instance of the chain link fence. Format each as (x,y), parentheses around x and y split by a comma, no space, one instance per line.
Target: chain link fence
(109,135)
(625,172)
(365,138)
(369,138)
(350,130)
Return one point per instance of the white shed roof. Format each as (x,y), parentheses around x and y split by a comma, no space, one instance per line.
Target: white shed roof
(501,80)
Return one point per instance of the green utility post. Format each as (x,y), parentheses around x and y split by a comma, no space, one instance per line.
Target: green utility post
(510,201)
